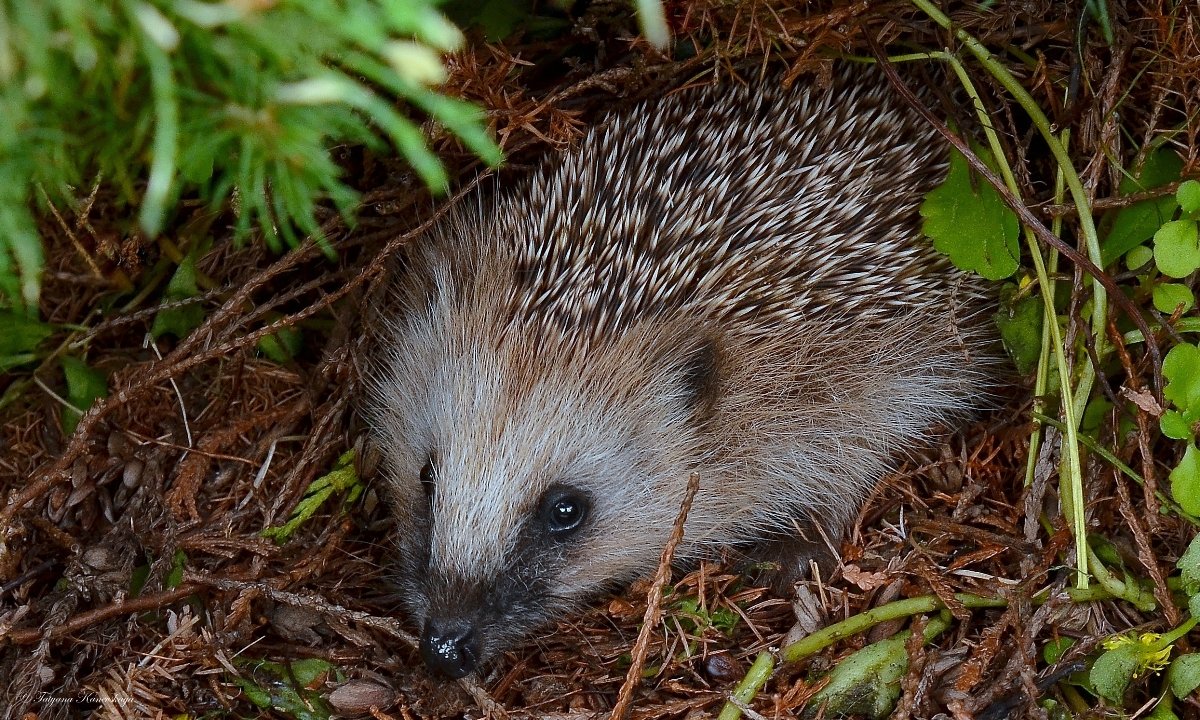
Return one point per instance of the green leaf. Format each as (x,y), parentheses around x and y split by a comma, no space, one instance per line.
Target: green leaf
(21,254)
(1185,481)
(1020,326)
(1094,415)
(137,579)
(1140,255)
(1105,549)
(867,682)
(1175,425)
(1137,223)
(182,319)
(1112,671)
(1169,296)
(84,386)
(463,120)
(1053,651)
(1159,168)
(1188,195)
(1177,248)
(695,619)
(309,671)
(1189,568)
(196,115)
(1128,657)
(196,166)
(282,346)
(1181,368)
(1184,675)
(175,576)
(255,694)
(19,333)
(970,223)
(19,338)
(292,688)
(161,184)
(1098,9)
(1163,711)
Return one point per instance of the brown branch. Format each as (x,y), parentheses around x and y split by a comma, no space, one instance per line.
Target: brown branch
(28,636)
(1140,536)
(654,604)
(1112,203)
(1134,386)
(315,603)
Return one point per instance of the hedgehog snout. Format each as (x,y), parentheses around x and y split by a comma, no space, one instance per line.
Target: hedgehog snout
(450,645)
(465,622)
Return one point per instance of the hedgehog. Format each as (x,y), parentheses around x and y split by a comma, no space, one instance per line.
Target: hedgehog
(730,281)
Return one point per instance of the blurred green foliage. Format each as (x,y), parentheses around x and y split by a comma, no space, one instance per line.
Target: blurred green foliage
(167,98)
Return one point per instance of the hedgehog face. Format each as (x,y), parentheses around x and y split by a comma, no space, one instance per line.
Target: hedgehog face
(521,494)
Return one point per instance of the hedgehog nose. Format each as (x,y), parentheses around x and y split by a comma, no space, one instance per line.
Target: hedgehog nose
(448,646)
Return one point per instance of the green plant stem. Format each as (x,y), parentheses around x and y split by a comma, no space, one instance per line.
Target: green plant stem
(1169,638)
(1075,700)
(756,677)
(827,636)
(1094,593)
(1049,324)
(1132,592)
(1183,325)
(1097,593)
(1072,477)
(936,626)
(1052,342)
(1072,410)
(764,664)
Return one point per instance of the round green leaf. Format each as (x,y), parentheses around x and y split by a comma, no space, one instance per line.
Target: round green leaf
(1181,368)
(85,385)
(1138,256)
(1177,248)
(1184,674)
(1175,426)
(1135,225)
(1053,651)
(1169,296)
(1185,481)
(1189,568)
(1188,196)
(1113,670)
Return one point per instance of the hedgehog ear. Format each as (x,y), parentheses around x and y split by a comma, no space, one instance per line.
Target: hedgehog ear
(698,369)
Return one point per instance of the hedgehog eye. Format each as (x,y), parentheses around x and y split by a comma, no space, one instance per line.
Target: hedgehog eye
(427,478)
(563,511)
